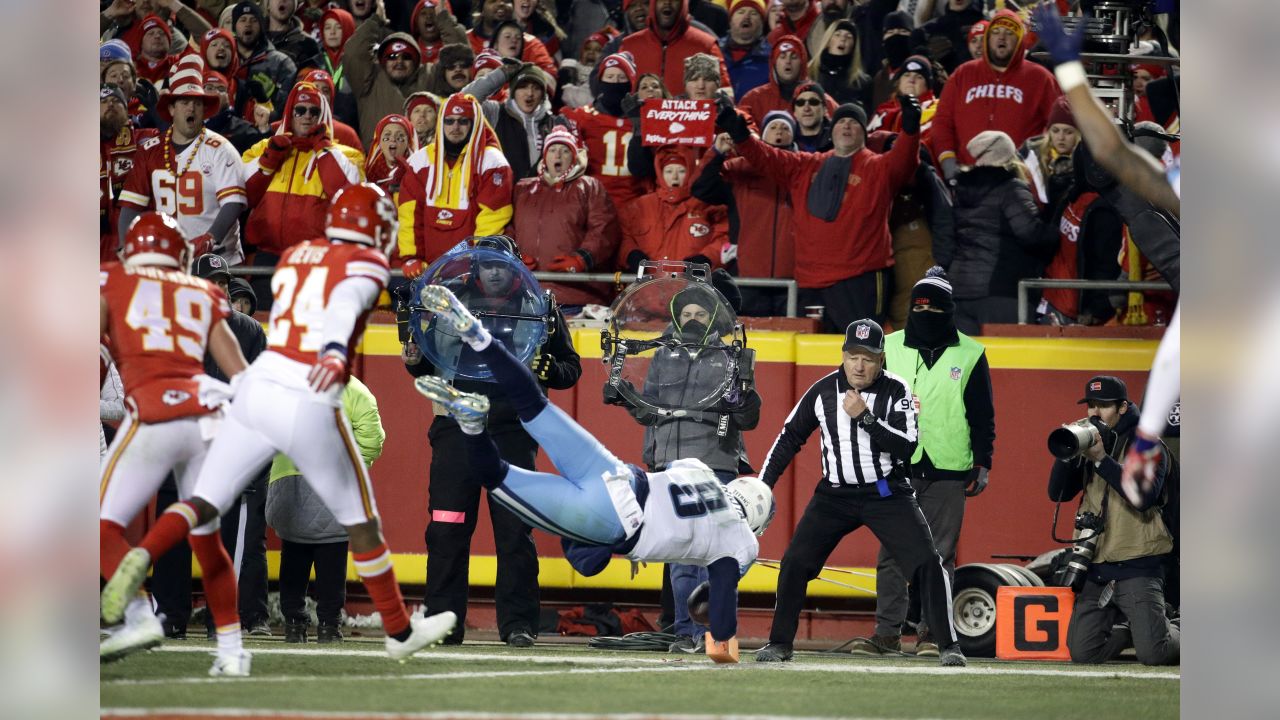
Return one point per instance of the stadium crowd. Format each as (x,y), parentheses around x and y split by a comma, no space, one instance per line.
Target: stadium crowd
(858,144)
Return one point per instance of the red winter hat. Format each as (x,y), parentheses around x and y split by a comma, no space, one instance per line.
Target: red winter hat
(459,106)
(1060,114)
(977,29)
(397,43)
(561,136)
(420,98)
(213,76)
(757,5)
(1156,71)
(151,22)
(623,61)
(319,78)
(487,58)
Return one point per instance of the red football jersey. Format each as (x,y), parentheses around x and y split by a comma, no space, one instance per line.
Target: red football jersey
(158,324)
(606,138)
(302,285)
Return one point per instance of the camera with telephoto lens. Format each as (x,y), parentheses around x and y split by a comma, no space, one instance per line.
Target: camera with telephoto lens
(1071,440)
(1077,567)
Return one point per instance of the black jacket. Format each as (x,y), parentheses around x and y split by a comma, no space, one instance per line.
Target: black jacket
(998,235)
(1097,249)
(249,335)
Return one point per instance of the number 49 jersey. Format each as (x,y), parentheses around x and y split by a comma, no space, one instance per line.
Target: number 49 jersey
(302,286)
(689,520)
(158,325)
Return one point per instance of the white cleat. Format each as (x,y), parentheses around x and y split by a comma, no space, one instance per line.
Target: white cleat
(231,665)
(441,301)
(469,409)
(133,636)
(123,585)
(427,631)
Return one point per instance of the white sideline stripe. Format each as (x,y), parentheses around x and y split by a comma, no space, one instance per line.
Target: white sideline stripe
(465,715)
(418,676)
(662,664)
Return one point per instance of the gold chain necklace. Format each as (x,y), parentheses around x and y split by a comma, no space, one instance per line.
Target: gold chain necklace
(170,160)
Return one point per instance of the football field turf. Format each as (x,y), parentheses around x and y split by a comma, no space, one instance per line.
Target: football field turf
(566,681)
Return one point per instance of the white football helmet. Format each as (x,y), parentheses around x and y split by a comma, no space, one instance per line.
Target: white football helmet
(754,500)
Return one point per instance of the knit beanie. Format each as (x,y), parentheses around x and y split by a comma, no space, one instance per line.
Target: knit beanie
(916,64)
(757,5)
(898,20)
(854,111)
(701,66)
(991,148)
(114,50)
(933,290)
(487,59)
(808,86)
(1060,113)
(625,62)
(781,116)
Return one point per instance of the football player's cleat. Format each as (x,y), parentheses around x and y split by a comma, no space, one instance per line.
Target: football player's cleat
(441,301)
(469,409)
(124,584)
(231,665)
(134,636)
(426,631)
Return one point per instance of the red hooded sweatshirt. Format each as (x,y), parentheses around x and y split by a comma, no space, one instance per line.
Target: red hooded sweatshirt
(668,224)
(980,97)
(769,97)
(663,52)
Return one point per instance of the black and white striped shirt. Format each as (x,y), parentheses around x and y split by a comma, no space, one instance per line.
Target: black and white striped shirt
(852,455)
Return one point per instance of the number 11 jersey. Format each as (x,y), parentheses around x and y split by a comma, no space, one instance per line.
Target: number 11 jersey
(302,286)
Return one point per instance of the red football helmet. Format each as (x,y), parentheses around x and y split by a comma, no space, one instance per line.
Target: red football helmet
(362,214)
(154,239)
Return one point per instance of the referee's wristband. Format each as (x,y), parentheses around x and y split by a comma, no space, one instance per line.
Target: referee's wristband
(1071,75)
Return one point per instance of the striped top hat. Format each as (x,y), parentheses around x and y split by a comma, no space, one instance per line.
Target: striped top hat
(186,80)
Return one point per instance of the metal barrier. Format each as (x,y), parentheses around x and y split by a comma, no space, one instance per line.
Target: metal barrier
(793,290)
(1127,285)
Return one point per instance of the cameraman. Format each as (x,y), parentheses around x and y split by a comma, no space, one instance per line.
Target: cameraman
(1126,577)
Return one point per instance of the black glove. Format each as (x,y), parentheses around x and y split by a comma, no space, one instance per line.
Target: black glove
(728,119)
(146,93)
(541,366)
(634,258)
(512,67)
(631,106)
(910,114)
(257,91)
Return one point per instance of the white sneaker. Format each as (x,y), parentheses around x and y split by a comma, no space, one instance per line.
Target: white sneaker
(134,636)
(231,665)
(123,585)
(427,631)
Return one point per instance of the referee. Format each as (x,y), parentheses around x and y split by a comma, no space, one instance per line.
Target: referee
(868,429)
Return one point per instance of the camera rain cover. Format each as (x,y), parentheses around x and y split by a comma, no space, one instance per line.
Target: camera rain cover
(499,290)
(672,344)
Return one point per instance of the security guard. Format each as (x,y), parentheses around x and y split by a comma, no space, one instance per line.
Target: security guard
(868,434)
(951,385)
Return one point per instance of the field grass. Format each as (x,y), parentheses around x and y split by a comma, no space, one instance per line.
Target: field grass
(491,680)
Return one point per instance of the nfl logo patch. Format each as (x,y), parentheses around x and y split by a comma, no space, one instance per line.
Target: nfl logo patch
(955,373)
(862,332)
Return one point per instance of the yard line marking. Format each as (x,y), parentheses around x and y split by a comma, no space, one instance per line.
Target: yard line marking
(853,666)
(443,715)
(416,676)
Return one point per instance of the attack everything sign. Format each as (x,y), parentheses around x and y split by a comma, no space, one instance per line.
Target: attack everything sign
(677,122)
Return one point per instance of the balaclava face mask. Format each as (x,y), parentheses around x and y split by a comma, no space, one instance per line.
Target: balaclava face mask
(927,329)
(611,94)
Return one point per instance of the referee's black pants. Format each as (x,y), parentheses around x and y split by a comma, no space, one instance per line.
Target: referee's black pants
(897,523)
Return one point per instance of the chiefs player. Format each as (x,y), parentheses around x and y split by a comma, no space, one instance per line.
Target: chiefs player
(159,321)
(289,401)
(607,133)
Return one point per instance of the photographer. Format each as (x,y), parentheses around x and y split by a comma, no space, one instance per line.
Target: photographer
(1126,577)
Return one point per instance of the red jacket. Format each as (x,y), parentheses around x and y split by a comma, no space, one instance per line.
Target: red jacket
(766,233)
(663,53)
(768,97)
(571,217)
(669,224)
(979,97)
(115,158)
(858,240)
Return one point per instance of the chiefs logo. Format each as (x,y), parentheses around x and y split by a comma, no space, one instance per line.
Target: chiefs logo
(174,397)
(699,230)
(855,179)
(497,180)
(122,166)
(444,215)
